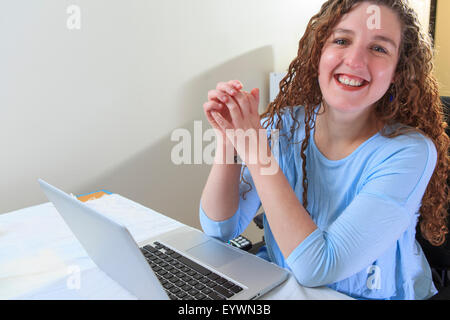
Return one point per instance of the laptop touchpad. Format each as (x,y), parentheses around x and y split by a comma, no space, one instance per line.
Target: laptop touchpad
(213,253)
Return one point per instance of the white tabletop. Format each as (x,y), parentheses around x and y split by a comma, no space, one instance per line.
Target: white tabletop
(40,258)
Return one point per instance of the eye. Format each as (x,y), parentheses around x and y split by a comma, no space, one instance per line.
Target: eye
(379,49)
(340,41)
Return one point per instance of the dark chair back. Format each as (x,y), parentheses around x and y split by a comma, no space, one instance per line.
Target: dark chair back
(439,257)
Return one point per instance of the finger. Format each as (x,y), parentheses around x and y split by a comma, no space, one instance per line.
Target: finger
(208,107)
(223,124)
(255,99)
(236,84)
(218,96)
(213,105)
(234,109)
(230,98)
(250,102)
(226,87)
(243,102)
(212,121)
(255,93)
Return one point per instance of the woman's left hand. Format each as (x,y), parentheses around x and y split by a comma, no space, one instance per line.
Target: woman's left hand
(245,124)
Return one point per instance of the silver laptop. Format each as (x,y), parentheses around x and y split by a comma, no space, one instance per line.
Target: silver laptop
(180,264)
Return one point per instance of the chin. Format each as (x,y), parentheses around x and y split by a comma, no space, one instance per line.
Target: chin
(348,106)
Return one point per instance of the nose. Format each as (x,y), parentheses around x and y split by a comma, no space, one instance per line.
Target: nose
(355,57)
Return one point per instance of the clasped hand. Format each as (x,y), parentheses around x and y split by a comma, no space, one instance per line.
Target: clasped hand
(233,113)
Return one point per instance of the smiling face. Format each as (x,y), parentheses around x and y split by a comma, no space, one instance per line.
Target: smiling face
(358,61)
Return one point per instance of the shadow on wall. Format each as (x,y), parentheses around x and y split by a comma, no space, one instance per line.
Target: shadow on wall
(171,189)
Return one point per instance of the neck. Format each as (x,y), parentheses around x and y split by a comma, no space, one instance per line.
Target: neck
(340,128)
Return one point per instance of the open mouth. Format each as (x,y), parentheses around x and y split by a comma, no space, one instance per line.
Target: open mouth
(350,83)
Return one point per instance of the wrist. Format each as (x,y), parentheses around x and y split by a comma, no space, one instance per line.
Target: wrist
(264,167)
(262,161)
(225,153)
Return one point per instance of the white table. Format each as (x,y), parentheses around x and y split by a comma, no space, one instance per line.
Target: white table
(40,258)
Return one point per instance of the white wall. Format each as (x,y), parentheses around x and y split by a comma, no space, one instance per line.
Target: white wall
(422,7)
(95,108)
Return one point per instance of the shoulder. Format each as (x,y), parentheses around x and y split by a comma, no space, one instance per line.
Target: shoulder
(401,166)
(409,146)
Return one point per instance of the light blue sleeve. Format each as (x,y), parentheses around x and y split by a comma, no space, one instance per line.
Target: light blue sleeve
(234,226)
(373,221)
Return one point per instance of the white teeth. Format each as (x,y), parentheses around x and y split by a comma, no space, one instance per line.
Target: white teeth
(349,82)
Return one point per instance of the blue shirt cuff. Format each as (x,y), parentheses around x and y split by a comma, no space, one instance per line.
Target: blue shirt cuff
(304,272)
(222,230)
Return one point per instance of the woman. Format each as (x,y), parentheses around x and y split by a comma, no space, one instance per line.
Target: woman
(362,153)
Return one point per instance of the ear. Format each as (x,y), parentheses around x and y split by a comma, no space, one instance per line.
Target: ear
(394,78)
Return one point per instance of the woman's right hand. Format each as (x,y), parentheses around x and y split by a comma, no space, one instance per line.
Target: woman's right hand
(216,99)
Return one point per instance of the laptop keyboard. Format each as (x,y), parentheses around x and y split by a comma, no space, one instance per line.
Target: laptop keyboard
(184,279)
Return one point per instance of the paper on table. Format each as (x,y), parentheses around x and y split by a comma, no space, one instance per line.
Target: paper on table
(31,243)
(94,284)
(142,222)
(291,290)
(38,248)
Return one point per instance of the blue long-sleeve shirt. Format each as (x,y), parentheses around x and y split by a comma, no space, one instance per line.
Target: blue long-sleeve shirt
(366,208)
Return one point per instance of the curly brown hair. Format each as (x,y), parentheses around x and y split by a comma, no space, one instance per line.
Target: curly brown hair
(414,94)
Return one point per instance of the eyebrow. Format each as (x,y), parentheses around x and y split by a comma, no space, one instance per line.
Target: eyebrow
(377,37)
